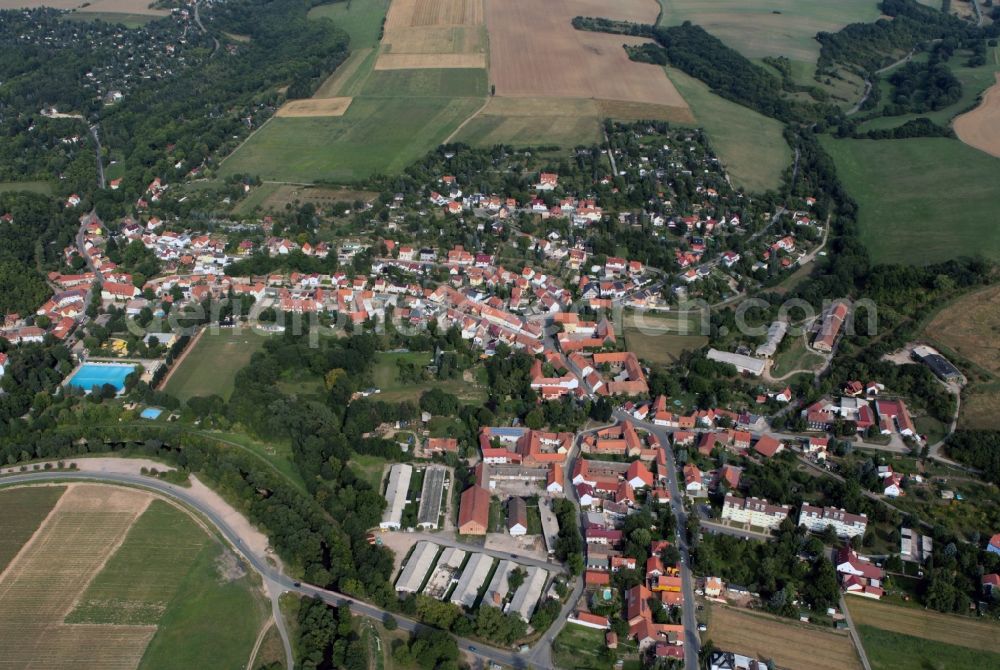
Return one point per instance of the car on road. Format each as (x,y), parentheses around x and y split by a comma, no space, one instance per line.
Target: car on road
(472,648)
(297,584)
(702,627)
(513,555)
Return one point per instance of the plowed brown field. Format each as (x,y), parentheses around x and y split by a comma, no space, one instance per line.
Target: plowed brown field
(535,51)
(980,128)
(43,582)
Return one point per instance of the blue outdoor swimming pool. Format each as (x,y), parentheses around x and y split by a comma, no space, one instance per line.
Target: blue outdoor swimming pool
(98,374)
(151,413)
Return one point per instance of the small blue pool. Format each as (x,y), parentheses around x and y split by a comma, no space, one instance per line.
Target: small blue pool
(98,374)
(151,413)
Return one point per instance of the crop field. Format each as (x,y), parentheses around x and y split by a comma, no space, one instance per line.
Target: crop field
(311,107)
(376,135)
(921,200)
(980,128)
(426,83)
(894,651)
(162,542)
(211,365)
(86,526)
(23,510)
(362,21)
(433,34)
(535,51)
(969,326)
(565,122)
(788,643)
(750,145)
(115,578)
(772,28)
(928,625)
(347,79)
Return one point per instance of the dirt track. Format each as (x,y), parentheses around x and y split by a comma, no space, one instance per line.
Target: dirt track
(980,128)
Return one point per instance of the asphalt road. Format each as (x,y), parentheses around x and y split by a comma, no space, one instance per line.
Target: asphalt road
(270,574)
(692,643)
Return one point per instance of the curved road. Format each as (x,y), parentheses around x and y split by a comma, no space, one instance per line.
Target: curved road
(276,581)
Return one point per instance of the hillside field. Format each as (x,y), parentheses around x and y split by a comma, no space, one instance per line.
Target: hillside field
(362,21)
(750,145)
(975,80)
(376,135)
(921,200)
(757,28)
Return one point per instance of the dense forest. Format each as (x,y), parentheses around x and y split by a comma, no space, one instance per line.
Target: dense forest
(182,117)
(978,448)
(870,46)
(31,242)
(922,87)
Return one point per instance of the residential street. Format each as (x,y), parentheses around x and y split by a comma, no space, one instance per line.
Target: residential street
(692,642)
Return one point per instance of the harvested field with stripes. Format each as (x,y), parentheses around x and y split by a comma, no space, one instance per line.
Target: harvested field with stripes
(951,629)
(43,582)
(114,577)
(433,34)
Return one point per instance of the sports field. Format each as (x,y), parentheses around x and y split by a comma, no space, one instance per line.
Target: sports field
(758,28)
(921,200)
(979,634)
(210,367)
(788,643)
(115,578)
(750,145)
